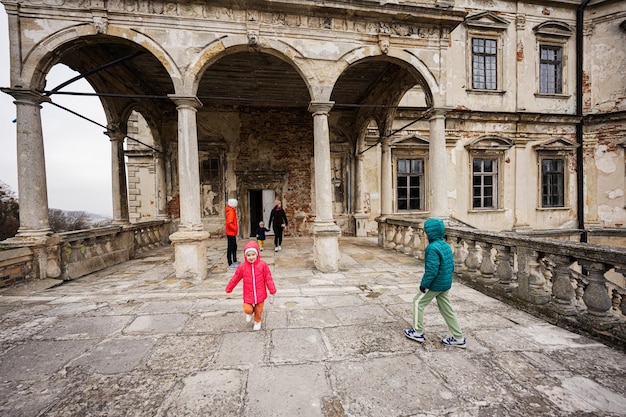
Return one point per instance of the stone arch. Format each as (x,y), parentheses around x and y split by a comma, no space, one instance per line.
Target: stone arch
(399,56)
(44,55)
(228,45)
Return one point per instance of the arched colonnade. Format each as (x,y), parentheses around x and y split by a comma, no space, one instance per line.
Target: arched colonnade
(319,68)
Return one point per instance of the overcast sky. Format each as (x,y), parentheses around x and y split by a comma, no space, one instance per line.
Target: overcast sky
(78,154)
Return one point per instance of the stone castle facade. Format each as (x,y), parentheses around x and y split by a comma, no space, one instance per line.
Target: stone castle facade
(503,115)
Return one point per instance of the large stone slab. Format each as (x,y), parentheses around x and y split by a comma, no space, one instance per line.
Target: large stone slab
(287,391)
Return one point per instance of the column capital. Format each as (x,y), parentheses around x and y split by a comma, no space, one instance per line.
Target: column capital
(26,96)
(185,101)
(320,107)
(439,112)
(114,134)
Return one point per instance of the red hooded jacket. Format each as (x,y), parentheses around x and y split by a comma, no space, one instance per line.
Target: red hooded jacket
(257,278)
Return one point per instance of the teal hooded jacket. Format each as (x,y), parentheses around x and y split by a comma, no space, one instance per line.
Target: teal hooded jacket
(438,258)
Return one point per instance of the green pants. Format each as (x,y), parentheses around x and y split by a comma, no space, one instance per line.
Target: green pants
(421,300)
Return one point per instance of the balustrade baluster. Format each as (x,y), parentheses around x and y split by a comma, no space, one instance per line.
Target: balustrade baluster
(596,296)
(76,254)
(504,270)
(406,242)
(460,254)
(487,267)
(472,261)
(399,238)
(563,290)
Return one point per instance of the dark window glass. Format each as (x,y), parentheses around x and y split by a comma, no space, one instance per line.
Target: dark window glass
(484,183)
(410,184)
(484,64)
(550,69)
(552,183)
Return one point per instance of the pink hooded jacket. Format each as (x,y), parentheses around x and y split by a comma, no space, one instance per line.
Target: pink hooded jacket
(256,278)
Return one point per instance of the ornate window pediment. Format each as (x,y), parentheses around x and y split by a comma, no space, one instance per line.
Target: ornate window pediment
(412,141)
(554,28)
(489,143)
(556,145)
(487,20)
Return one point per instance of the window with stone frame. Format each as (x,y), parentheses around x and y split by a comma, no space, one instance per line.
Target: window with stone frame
(485,37)
(484,64)
(552,45)
(487,155)
(554,156)
(550,69)
(410,184)
(553,182)
(484,183)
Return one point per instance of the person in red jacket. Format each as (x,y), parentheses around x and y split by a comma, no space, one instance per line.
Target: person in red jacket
(232,229)
(257,280)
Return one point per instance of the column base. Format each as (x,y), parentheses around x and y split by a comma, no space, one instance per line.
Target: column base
(326,246)
(360,219)
(190,254)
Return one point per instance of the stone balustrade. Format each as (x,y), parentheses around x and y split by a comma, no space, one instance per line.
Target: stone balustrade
(575,285)
(70,255)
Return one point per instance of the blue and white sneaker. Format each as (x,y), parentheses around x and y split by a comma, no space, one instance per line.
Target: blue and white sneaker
(453,341)
(414,335)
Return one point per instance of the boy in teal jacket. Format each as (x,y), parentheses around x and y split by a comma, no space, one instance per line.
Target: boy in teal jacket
(436,283)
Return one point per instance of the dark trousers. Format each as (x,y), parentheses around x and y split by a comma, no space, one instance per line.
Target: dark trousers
(278,236)
(231,252)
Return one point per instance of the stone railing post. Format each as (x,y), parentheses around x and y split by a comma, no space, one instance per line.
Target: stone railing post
(504,270)
(487,266)
(596,296)
(562,289)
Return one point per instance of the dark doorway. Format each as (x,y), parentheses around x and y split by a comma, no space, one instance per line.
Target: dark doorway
(256,209)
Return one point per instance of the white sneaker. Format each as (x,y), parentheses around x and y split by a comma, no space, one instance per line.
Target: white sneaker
(279,248)
(276,249)
(248,318)
(257,325)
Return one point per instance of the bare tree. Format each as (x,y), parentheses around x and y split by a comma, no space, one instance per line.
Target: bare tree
(9,212)
(65,221)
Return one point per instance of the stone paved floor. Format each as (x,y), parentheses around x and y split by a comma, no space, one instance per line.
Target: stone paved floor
(132,340)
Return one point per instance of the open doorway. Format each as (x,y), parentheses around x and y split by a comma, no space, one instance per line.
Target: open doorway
(261,205)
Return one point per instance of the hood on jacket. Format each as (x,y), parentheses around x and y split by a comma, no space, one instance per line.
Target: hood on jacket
(251,244)
(434,228)
(232,203)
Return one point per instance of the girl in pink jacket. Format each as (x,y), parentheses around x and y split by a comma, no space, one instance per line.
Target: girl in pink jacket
(257,279)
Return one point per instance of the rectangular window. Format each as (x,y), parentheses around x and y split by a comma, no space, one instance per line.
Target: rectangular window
(484,183)
(552,183)
(210,171)
(484,64)
(410,184)
(551,69)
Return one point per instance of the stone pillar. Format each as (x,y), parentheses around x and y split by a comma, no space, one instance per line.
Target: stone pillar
(359,215)
(34,230)
(438,166)
(161,186)
(522,188)
(31,165)
(190,241)
(386,180)
(118,178)
(325,231)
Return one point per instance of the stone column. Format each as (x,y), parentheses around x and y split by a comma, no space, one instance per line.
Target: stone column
(34,230)
(325,231)
(118,178)
(386,180)
(359,215)
(31,165)
(161,186)
(438,165)
(190,241)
